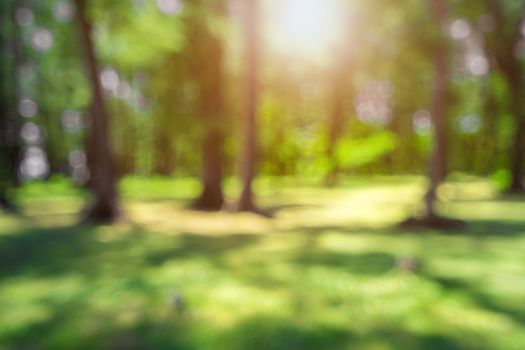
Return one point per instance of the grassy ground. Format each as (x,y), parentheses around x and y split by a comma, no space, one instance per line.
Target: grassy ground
(329,271)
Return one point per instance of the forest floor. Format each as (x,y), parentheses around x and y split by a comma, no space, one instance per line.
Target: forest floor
(330,270)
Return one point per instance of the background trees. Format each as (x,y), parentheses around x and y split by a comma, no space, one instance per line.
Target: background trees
(182,82)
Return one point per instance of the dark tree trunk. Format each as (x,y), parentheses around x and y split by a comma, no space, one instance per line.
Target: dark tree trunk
(4,154)
(246,202)
(212,110)
(502,45)
(518,145)
(9,143)
(5,166)
(211,197)
(6,161)
(438,161)
(103,182)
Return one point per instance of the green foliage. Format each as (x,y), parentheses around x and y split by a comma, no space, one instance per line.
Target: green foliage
(502,178)
(352,153)
(134,34)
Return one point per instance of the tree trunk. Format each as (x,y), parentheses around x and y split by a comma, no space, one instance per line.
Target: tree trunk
(103,183)
(518,146)
(211,197)
(5,168)
(502,45)
(9,130)
(212,110)
(246,202)
(4,157)
(438,161)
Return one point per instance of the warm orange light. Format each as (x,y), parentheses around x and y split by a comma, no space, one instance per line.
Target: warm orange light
(309,28)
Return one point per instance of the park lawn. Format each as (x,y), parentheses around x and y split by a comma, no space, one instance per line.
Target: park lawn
(330,270)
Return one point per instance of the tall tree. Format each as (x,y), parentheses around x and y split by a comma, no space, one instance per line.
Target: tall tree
(103,182)
(9,148)
(246,202)
(6,148)
(210,75)
(438,110)
(503,45)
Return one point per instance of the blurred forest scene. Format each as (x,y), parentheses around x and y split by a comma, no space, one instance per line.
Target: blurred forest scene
(262,174)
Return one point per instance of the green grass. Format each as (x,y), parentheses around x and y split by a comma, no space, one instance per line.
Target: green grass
(323,273)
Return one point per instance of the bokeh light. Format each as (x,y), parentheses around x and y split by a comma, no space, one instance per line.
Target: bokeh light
(27,107)
(72,120)
(422,122)
(77,159)
(42,40)
(63,11)
(169,7)
(34,164)
(23,16)
(31,134)
(460,29)
(477,64)
(469,124)
(109,79)
(78,166)
(374,103)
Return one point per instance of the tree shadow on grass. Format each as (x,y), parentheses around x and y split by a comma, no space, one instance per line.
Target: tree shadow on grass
(372,263)
(474,228)
(44,250)
(263,332)
(49,252)
(507,228)
(274,333)
(194,245)
(482,299)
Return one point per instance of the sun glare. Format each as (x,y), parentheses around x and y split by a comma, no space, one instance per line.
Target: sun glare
(305,27)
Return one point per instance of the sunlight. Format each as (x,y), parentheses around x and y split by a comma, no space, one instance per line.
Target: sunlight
(308,28)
